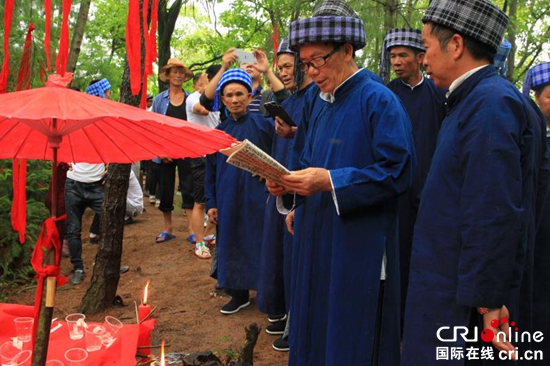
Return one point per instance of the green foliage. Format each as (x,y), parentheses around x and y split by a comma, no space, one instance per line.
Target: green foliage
(14,257)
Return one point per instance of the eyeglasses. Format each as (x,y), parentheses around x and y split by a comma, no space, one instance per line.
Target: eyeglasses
(318,62)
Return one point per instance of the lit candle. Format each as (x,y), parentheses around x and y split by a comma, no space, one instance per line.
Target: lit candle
(144,309)
(162,353)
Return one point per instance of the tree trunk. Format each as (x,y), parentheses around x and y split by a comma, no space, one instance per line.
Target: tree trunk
(103,285)
(104,282)
(78,34)
(390,9)
(166,22)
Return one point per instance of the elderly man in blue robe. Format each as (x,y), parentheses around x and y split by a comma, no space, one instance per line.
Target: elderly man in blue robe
(537,79)
(471,260)
(424,102)
(235,200)
(358,158)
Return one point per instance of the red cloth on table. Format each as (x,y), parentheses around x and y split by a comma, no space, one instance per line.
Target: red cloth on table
(122,351)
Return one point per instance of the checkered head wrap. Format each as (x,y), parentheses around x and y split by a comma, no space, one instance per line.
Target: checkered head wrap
(333,22)
(284,47)
(536,76)
(235,76)
(480,19)
(98,89)
(399,37)
(500,57)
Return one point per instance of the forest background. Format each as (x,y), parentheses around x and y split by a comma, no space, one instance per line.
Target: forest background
(198,32)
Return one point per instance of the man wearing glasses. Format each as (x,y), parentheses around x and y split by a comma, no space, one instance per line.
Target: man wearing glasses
(358,158)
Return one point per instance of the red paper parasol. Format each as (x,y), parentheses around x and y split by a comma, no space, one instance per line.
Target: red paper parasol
(58,124)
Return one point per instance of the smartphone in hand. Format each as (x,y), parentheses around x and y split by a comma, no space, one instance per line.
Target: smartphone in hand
(274,109)
(245,57)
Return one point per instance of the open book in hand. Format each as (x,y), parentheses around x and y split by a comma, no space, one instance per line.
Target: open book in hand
(249,157)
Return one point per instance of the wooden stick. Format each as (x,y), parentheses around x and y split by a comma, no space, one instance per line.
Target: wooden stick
(157,346)
(148,315)
(148,362)
(51,283)
(137,314)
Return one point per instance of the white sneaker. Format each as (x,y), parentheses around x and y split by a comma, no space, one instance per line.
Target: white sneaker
(152,199)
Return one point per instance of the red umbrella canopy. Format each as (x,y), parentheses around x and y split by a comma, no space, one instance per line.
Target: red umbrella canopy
(95,130)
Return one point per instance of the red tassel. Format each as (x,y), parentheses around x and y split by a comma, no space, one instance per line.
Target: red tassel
(19,204)
(24,77)
(133,46)
(47,30)
(275,39)
(63,52)
(144,14)
(5,73)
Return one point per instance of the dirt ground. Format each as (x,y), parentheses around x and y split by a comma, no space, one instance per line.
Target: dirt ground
(188,315)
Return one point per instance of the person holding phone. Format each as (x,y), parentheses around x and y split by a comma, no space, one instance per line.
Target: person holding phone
(273,297)
(212,102)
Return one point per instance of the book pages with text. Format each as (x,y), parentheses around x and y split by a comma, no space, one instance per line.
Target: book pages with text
(247,156)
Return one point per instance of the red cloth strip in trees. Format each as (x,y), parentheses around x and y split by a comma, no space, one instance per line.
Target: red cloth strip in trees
(24,77)
(133,46)
(153,36)
(47,31)
(49,236)
(19,203)
(63,52)
(4,74)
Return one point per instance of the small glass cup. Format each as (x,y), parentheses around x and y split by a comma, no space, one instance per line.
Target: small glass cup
(76,356)
(75,322)
(94,337)
(112,326)
(7,352)
(23,328)
(23,358)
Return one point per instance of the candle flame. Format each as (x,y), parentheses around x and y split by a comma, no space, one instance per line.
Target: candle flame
(145,293)
(162,353)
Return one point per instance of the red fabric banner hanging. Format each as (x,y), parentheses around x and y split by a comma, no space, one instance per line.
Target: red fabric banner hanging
(24,77)
(133,46)
(275,39)
(153,35)
(47,31)
(4,74)
(63,52)
(19,203)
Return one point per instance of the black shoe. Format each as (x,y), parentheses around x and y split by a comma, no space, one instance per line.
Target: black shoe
(234,306)
(94,240)
(280,344)
(128,220)
(77,277)
(276,328)
(274,318)
(124,269)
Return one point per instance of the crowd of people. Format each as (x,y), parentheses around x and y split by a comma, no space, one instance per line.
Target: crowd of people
(412,208)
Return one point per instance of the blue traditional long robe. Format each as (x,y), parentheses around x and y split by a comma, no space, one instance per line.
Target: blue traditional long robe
(364,139)
(240,200)
(474,232)
(425,105)
(274,288)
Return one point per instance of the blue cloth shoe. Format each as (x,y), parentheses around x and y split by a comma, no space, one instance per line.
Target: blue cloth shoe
(163,237)
(191,238)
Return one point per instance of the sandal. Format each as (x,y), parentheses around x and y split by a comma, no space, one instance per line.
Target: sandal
(164,237)
(202,251)
(191,238)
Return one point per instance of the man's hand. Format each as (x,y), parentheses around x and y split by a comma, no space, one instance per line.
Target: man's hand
(275,189)
(289,221)
(284,130)
(500,342)
(229,58)
(307,182)
(262,64)
(213,216)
